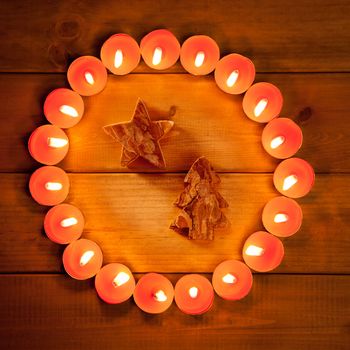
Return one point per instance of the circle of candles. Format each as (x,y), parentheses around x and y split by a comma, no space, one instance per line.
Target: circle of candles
(194,294)
(160,49)
(120,54)
(49,185)
(294,177)
(262,251)
(82,259)
(282,138)
(232,280)
(48,144)
(262,102)
(87,75)
(234,73)
(199,54)
(282,216)
(64,223)
(114,283)
(153,293)
(63,108)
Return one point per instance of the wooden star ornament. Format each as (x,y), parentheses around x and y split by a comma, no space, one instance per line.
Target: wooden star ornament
(140,137)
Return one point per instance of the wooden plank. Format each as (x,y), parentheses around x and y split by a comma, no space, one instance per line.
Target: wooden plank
(129,215)
(278,35)
(207,122)
(282,312)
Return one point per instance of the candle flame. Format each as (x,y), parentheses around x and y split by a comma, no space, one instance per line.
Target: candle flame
(280,217)
(199,59)
(118,58)
(260,107)
(160,296)
(254,250)
(86,257)
(229,279)
(68,222)
(193,292)
(231,80)
(289,182)
(53,186)
(56,142)
(69,110)
(277,141)
(89,78)
(157,56)
(121,278)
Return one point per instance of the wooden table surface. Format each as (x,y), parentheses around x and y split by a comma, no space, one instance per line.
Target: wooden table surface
(302,46)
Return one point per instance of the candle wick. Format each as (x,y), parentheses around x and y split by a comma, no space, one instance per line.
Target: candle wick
(121,278)
(86,257)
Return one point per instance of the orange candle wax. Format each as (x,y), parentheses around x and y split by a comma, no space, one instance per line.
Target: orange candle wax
(234,73)
(114,283)
(153,293)
(160,49)
(120,54)
(48,144)
(87,75)
(199,54)
(282,216)
(262,251)
(194,294)
(82,259)
(232,280)
(63,108)
(64,223)
(49,185)
(294,177)
(282,138)
(262,102)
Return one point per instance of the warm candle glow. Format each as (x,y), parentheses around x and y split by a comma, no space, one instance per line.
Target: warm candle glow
(121,278)
(160,296)
(68,222)
(280,217)
(56,142)
(231,80)
(53,186)
(277,141)
(289,182)
(229,279)
(200,57)
(118,58)
(193,292)
(157,56)
(89,78)
(86,257)
(260,107)
(69,110)
(254,250)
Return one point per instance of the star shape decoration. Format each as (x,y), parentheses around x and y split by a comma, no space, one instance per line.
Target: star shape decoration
(140,137)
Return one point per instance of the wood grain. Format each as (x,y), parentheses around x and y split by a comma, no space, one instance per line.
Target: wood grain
(282,312)
(278,35)
(207,122)
(129,215)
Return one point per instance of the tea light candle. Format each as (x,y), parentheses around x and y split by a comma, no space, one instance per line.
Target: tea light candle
(120,54)
(282,138)
(63,108)
(294,177)
(87,75)
(262,102)
(48,144)
(153,293)
(199,54)
(49,185)
(282,216)
(114,283)
(194,294)
(160,49)
(64,223)
(232,280)
(262,251)
(82,259)
(234,73)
